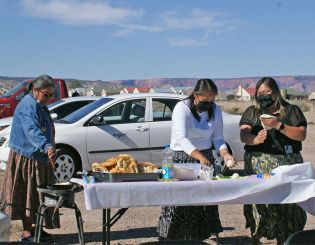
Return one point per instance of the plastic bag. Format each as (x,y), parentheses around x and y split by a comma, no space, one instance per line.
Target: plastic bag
(206,172)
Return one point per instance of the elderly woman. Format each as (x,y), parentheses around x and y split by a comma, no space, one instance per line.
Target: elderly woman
(273,131)
(197,124)
(31,156)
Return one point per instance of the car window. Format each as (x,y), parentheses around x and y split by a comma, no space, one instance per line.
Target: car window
(132,111)
(162,109)
(68,108)
(85,110)
(12,91)
(57,89)
(55,103)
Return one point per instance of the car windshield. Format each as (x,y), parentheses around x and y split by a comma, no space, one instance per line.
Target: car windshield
(82,112)
(13,90)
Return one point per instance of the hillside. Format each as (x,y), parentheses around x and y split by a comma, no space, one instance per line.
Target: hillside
(299,83)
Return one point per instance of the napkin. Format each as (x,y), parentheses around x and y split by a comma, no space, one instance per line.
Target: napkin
(267,116)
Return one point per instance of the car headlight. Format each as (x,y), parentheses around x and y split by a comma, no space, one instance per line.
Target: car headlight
(3,141)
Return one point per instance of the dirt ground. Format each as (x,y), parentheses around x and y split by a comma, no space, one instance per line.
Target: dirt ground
(138,225)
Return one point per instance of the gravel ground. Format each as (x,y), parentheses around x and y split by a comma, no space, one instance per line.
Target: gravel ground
(138,225)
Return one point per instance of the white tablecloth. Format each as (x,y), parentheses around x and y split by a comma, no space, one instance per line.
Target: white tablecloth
(290,184)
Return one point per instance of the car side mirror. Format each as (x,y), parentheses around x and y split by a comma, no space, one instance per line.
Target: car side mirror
(97,120)
(53,116)
(19,97)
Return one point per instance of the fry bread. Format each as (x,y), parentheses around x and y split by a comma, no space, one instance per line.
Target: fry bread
(98,167)
(110,162)
(123,163)
(147,167)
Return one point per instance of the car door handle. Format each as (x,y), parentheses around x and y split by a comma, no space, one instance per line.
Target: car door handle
(141,129)
(118,135)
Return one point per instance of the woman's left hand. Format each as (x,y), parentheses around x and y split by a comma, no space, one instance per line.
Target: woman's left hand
(229,160)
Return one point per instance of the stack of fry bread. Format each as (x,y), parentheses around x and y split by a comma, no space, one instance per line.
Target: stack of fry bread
(124,163)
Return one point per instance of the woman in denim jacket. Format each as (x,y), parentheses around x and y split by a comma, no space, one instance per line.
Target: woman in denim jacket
(32,154)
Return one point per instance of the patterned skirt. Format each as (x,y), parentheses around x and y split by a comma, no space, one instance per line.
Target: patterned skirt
(189,222)
(19,189)
(273,221)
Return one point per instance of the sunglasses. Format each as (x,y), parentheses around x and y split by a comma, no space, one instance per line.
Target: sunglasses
(46,94)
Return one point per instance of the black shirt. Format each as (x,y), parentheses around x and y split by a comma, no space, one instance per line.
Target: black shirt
(276,142)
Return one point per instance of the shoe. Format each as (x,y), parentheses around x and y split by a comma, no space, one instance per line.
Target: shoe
(161,238)
(26,239)
(215,237)
(255,240)
(45,234)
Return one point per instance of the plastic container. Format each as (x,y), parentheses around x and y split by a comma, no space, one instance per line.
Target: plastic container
(167,164)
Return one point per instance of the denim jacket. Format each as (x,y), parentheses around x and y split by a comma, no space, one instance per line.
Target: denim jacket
(32,130)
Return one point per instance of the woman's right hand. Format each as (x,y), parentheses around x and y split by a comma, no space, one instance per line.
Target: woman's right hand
(202,159)
(261,137)
(205,161)
(52,155)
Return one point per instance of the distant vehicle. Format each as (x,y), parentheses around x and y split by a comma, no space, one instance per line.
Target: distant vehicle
(10,99)
(58,110)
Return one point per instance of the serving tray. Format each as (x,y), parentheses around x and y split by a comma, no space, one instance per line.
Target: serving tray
(128,177)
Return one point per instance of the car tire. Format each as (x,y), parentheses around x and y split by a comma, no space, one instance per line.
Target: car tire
(66,164)
(220,166)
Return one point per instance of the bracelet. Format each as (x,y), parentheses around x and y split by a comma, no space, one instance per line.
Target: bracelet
(281,126)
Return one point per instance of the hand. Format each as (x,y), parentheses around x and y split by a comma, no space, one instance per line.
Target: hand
(261,137)
(271,122)
(52,156)
(229,160)
(205,161)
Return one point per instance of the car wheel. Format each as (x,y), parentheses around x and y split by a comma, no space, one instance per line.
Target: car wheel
(219,163)
(65,164)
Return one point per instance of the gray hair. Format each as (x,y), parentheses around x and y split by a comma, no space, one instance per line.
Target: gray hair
(41,82)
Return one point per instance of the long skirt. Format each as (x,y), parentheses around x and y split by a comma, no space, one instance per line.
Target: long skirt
(19,189)
(273,221)
(189,222)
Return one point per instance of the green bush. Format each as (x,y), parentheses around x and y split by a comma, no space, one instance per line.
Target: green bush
(233,110)
(304,106)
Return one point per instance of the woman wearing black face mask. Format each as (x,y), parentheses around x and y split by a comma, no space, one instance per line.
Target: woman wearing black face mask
(196,125)
(268,149)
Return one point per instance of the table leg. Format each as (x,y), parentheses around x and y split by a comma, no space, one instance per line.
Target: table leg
(109,221)
(106,226)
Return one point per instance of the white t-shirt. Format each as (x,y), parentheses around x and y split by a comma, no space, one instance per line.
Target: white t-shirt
(188,134)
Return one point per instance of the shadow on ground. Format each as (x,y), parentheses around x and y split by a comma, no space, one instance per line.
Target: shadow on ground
(138,233)
(149,232)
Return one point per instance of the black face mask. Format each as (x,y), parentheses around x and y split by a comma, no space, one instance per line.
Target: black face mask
(265,101)
(204,105)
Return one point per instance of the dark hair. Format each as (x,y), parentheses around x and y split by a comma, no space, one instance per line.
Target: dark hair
(202,86)
(43,81)
(272,84)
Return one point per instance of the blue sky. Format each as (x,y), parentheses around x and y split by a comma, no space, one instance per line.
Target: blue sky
(141,39)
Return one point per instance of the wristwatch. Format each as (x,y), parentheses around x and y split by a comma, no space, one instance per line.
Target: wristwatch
(281,126)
